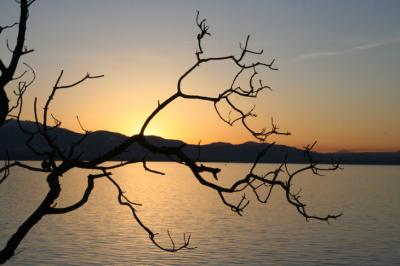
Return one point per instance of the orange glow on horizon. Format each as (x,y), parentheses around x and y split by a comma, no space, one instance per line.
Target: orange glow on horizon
(328,97)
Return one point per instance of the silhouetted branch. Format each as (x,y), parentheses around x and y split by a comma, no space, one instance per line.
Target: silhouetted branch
(8,71)
(44,132)
(6,168)
(31,2)
(223,96)
(7,27)
(151,170)
(123,200)
(80,124)
(57,161)
(2,66)
(79,141)
(83,200)
(21,89)
(203,32)
(86,165)
(248,180)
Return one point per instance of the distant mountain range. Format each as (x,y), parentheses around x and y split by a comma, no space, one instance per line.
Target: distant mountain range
(13,141)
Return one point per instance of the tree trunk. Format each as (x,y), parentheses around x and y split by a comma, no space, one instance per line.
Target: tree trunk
(7,73)
(43,209)
(3,106)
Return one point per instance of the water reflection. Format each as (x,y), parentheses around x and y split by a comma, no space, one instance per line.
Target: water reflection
(102,232)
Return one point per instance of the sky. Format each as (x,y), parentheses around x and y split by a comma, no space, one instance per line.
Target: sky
(337,83)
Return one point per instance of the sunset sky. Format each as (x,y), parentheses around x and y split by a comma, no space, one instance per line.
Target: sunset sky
(338,80)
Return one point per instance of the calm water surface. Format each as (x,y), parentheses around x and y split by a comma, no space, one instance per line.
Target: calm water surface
(103,232)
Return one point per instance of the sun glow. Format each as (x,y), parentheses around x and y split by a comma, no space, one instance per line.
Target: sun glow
(316,94)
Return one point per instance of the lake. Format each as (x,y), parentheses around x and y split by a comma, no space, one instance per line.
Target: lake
(103,233)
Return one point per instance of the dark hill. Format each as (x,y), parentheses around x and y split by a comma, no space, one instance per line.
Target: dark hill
(13,140)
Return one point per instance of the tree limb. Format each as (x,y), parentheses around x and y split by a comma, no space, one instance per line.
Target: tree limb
(123,200)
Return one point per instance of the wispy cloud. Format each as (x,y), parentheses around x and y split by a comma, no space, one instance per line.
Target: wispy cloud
(317,54)
(375,44)
(366,46)
(314,55)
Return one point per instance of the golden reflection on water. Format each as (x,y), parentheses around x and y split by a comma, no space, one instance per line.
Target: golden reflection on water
(103,232)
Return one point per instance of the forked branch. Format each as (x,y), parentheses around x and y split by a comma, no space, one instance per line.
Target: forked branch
(20,49)
(123,200)
(57,161)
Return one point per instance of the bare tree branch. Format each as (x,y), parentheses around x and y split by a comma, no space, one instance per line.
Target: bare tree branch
(56,161)
(83,200)
(7,72)
(7,27)
(151,170)
(21,89)
(123,200)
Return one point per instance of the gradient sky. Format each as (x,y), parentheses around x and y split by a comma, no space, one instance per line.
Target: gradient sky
(338,79)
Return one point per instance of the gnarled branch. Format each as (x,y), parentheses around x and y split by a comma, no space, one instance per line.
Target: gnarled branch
(260,185)
(8,71)
(123,200)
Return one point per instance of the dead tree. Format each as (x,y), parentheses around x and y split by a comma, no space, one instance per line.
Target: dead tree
(8,71)
(57,161)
